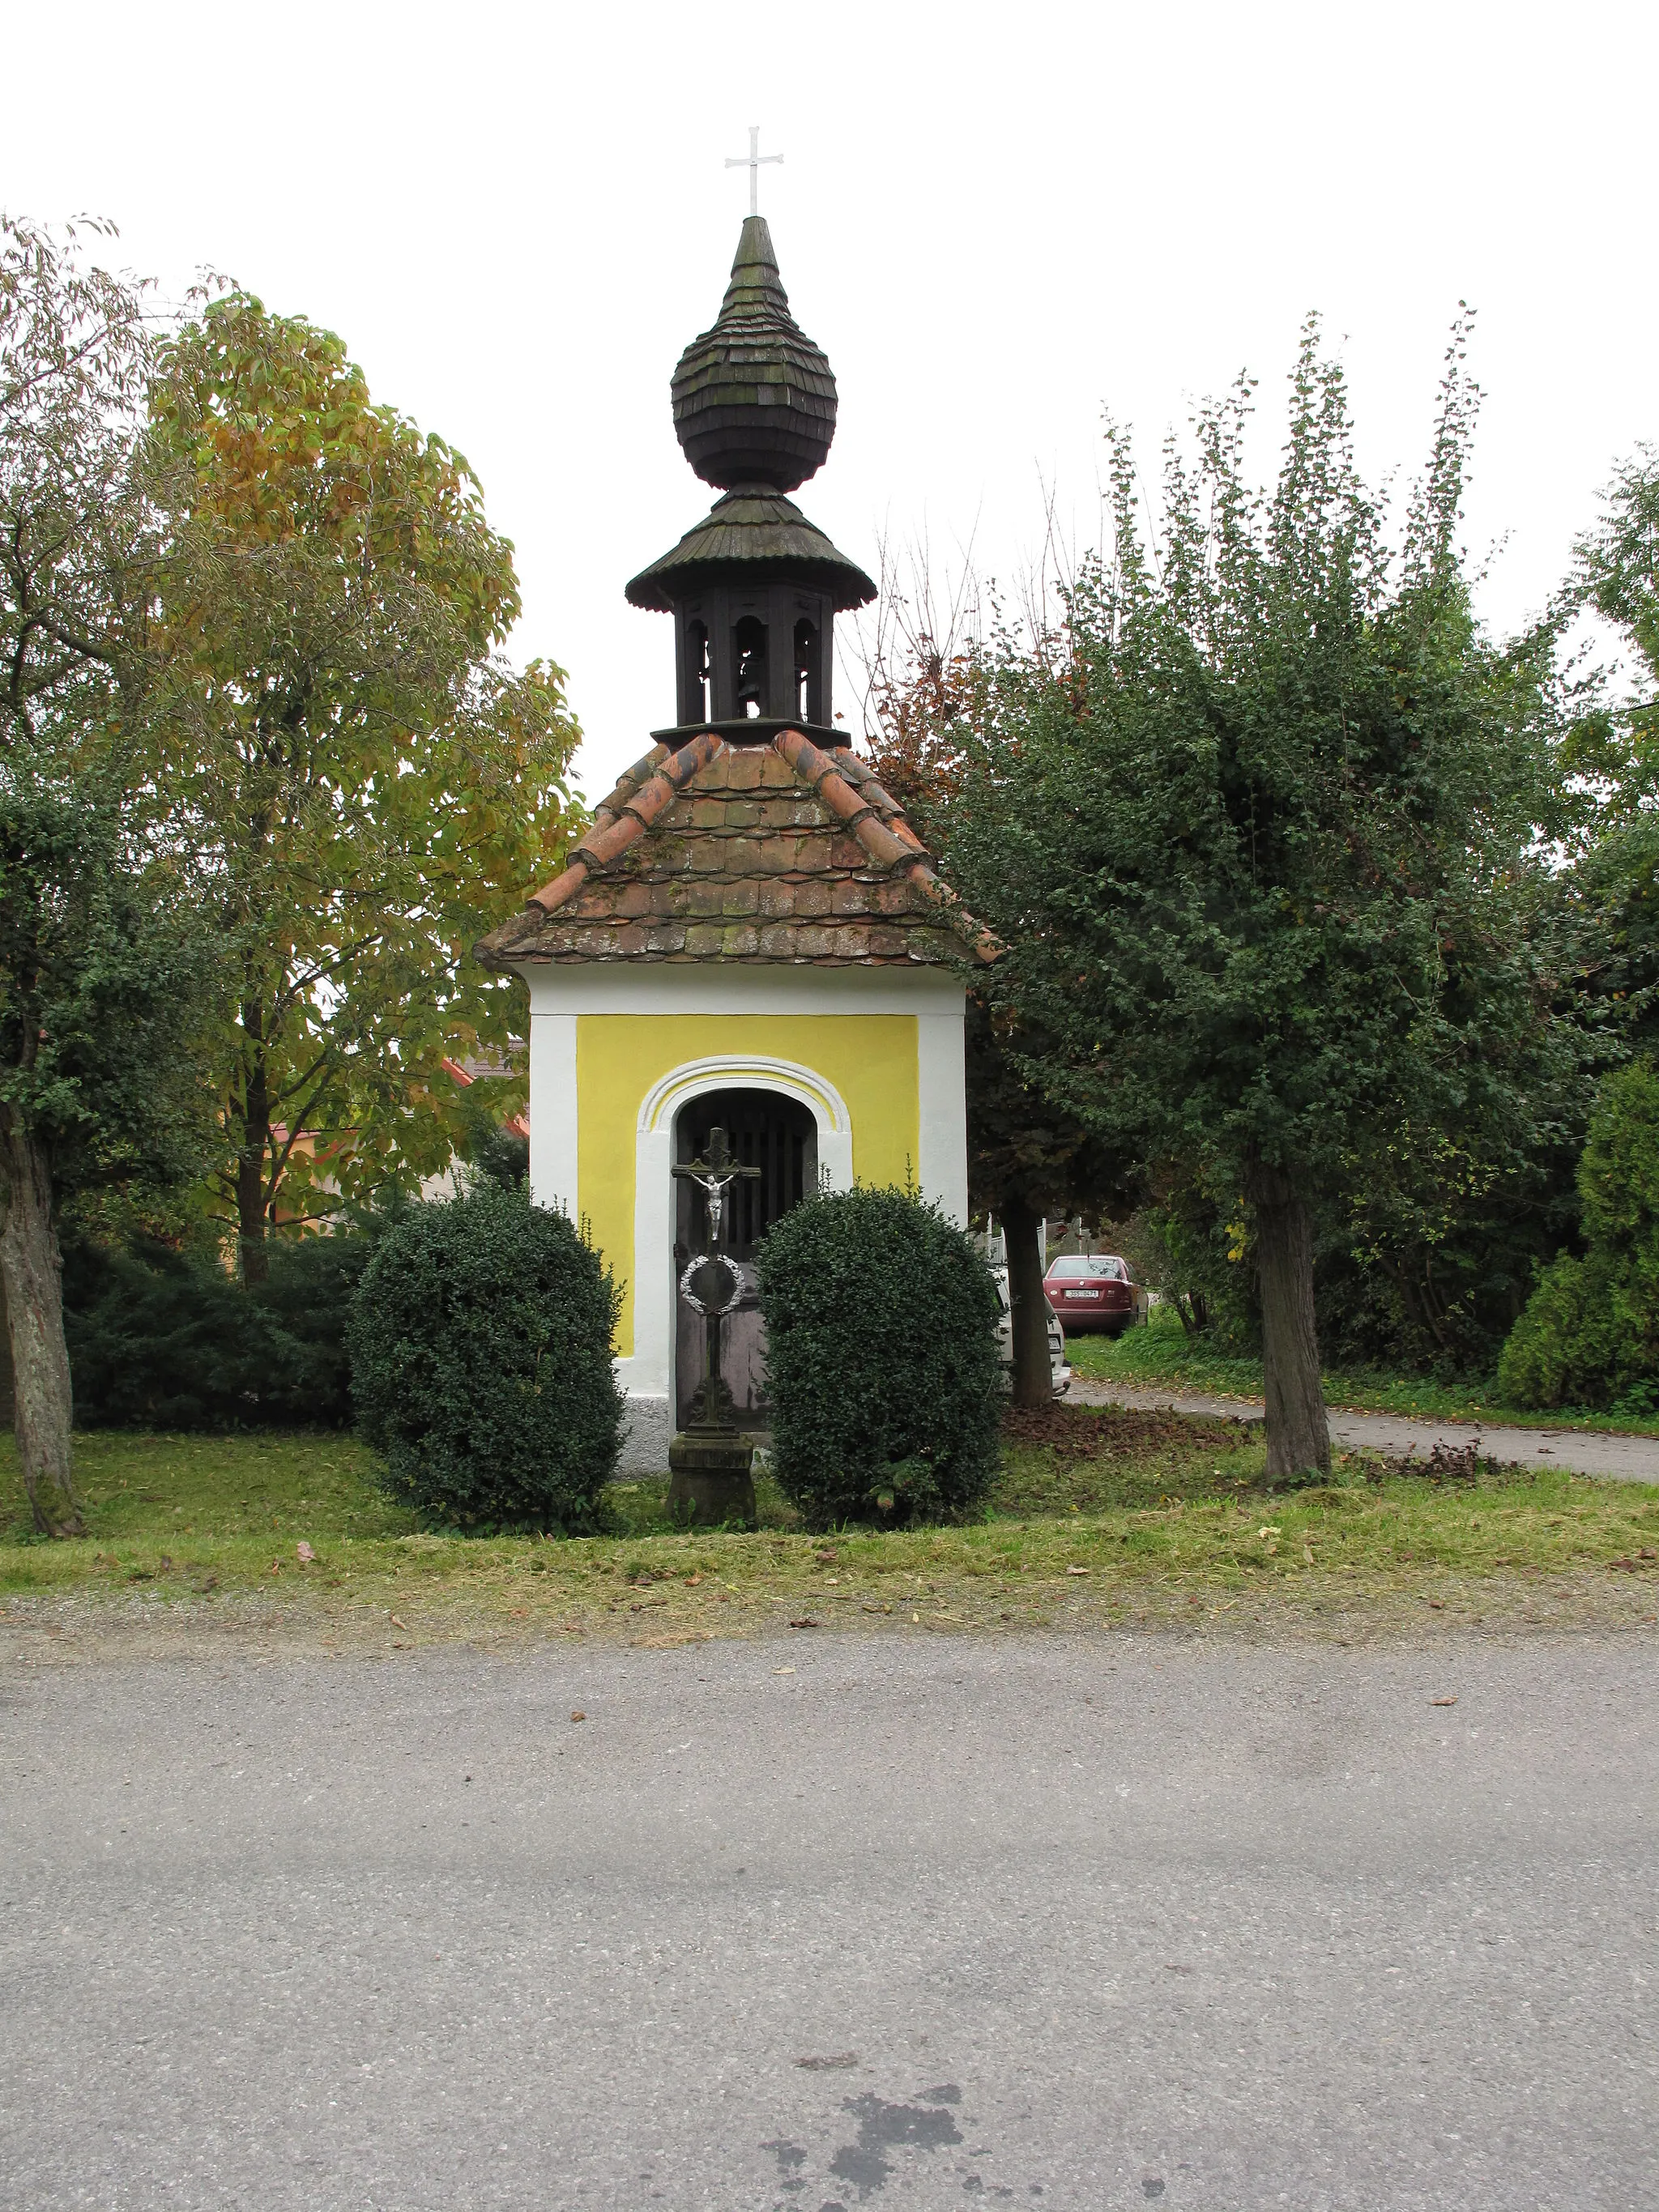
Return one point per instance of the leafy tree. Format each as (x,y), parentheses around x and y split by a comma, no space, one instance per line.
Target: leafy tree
(102,970)
(373,782)
(1028,1158)
(1259,831)
(1590,1333)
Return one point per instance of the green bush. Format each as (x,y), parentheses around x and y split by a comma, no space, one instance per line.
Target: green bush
(1589,1335)
(163,1339)
(480,1341)
(881,1352)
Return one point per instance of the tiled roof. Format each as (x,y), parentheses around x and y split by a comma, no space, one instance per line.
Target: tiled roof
(775,854)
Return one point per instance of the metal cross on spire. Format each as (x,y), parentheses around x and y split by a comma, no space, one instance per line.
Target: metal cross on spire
(752,163)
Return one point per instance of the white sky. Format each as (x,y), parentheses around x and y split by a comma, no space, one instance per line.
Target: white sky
(995,220)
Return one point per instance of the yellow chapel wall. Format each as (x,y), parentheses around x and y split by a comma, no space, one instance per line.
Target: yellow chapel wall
(871,1058)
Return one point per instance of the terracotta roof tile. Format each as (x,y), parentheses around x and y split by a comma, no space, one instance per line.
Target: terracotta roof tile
(782,853)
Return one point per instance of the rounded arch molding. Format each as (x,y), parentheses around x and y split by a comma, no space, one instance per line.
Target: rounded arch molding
(750,1072)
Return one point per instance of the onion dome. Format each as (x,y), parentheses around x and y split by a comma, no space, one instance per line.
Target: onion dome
(754,398)
(751,535)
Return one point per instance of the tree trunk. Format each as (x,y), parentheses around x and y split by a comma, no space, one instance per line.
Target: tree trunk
(33,1272)
(252,1258)
(1033,1382)
(1298,1433)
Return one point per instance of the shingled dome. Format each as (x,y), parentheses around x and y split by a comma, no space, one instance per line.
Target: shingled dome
(754,399)
(750,534)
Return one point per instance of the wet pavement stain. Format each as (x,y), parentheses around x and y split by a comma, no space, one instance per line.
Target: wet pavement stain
(884,2127)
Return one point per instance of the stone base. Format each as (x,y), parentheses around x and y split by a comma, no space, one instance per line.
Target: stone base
(713,1482)
(650,1430)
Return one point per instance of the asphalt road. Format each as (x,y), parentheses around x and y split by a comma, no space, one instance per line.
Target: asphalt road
(1632,1459)
(1069,1923)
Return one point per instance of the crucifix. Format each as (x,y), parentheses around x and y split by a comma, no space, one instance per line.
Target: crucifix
(714,1178)
(712,1282)
(752,163)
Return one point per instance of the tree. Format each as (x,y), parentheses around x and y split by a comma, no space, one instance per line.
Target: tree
(373,782)
(1589,1335)
(102,968)
(1028,1158)
(1259,831)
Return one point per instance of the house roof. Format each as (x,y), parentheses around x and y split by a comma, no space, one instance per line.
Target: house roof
(777,854)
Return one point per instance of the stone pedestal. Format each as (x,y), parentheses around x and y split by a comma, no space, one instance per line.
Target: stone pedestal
(713,1481)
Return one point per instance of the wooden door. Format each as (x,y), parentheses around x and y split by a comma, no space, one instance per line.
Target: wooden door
(779,1136)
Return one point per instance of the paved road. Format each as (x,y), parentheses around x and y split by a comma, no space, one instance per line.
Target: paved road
(1635,1459)
(1065,1924)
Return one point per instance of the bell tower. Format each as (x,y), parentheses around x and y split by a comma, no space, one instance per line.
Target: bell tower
(755,587)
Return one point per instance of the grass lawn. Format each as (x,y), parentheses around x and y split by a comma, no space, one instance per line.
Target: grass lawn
(1101,1518)
(1161,1356)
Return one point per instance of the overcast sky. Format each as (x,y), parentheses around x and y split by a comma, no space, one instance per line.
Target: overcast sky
(995,220)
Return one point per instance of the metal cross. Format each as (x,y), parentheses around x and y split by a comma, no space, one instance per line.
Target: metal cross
(753,164)
(713,1177)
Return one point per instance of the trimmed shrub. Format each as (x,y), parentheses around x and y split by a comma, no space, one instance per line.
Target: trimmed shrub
(1589,1335)
(881,1351)
(162,1340)
(480,1341)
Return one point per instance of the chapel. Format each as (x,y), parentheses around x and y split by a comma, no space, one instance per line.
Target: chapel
(750,936)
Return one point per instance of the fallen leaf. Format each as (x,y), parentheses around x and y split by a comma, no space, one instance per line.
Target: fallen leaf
(303,1551)
(806,1621)
(1443,1701)
(1437,1604)
(579,1717)
(691,1581)
(1079,1570)
(396,1622)
(915,1616)
(783,1670)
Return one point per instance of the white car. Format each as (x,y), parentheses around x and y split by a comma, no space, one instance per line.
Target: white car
(1060,1373)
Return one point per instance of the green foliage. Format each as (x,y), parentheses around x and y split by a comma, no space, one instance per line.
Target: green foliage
(1189,1247)
(102,971)
(480,1341)
(882,1357)
(1589,1335)
(1258,827)
(164,1340)
(339,728)
(1264,823)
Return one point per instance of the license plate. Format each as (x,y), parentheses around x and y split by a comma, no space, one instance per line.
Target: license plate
(1085,1294)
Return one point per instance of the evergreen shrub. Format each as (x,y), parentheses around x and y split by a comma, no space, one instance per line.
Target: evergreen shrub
(480,1342)
(881,1351)
(165,1339)
(1589,1335)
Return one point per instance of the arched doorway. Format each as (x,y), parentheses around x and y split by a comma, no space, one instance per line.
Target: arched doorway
(778,1135)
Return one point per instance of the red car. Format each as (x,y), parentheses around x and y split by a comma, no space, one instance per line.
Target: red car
(1094,1291)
